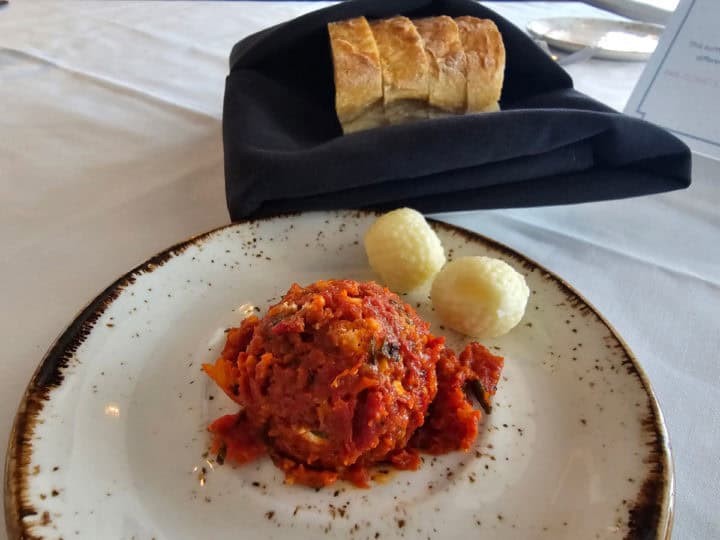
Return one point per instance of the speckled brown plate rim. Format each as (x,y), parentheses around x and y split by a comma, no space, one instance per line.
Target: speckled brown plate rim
(650,517)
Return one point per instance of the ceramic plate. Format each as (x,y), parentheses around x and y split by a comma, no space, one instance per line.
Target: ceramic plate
(610,39)
(110,440)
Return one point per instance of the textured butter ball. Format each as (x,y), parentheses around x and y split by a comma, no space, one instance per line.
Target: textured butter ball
(481,297)
(403,249)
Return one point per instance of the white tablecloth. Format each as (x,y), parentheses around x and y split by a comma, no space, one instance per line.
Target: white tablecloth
(110,150)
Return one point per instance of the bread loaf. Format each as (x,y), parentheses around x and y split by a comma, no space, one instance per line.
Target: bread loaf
(404,69)
(395,70)
(485,56)
(447,65)
(358,76)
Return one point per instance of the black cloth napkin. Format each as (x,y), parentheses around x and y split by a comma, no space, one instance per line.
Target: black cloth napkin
(284,149)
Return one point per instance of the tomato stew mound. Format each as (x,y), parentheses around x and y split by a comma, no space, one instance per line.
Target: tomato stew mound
(340,376)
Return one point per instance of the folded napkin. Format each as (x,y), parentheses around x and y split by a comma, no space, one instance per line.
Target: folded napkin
(284,149)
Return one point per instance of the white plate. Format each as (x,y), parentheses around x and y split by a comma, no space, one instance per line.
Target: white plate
(610,39)
(110,437)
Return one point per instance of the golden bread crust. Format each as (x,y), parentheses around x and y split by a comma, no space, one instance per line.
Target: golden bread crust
(358,76)
(395,70)
(403,59)
(447,63)
(485,54)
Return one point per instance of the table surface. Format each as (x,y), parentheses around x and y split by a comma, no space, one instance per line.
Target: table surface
(110,150)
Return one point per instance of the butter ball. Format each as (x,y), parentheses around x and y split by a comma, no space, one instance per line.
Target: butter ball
(403,249)
(480,297)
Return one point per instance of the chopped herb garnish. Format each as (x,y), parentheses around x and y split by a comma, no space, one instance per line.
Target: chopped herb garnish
(476,389)
(373,351)
(221,455)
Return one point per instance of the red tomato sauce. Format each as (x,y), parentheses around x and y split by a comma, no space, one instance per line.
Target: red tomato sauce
(340,376)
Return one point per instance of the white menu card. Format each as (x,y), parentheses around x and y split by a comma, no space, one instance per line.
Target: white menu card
(680,86)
